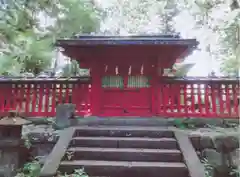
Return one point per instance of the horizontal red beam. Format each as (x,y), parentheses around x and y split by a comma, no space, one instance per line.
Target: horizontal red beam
(34,80)
(197,80)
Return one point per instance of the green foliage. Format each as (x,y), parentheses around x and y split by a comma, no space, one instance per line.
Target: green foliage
(231,66)
(76,173)
(27,142)
(69,155)
(235,172)
(8,66)
(185,123)
(208,168)
(31,53)
(31,169)
(27,43)
(71,69)
(76,16)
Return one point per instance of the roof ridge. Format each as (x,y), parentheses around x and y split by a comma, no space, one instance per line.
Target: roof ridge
(127,36)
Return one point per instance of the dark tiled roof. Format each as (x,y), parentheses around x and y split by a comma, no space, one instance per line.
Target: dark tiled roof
(83,40)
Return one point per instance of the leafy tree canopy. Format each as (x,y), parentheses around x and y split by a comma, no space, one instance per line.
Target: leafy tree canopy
(27,43)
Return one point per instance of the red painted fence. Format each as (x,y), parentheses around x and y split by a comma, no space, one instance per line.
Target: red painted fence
(199,97)
(39,97)
(177,97)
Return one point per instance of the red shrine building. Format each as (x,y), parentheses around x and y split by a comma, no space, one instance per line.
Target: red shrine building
(129,76)
(126,71)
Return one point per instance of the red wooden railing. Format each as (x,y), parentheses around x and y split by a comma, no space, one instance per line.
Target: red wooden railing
(199,97)
(39,97)
(177,97)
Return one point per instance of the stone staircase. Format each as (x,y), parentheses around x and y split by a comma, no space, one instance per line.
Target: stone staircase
(124,151)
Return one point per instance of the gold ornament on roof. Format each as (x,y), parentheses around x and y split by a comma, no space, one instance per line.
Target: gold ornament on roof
(142,68)
(130,70)
(116,70)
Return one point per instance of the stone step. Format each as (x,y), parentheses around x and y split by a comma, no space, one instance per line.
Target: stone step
(125,154)
(124,121)
(125,142)
(120,168)
(130,131)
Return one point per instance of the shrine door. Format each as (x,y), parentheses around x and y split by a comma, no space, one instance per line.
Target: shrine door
(126,89)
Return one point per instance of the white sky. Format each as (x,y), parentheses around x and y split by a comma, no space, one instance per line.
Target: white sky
(203,64)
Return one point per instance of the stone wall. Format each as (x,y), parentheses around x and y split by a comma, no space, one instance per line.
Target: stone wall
(42,140)
(8,162)
(218,148)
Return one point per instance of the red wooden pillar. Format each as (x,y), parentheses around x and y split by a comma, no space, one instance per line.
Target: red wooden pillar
(155,90)
(95,89)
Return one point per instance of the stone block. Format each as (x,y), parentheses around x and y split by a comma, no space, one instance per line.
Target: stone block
(64,113)
(213,157)
(8,163)
(223,140)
